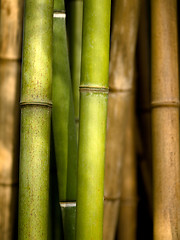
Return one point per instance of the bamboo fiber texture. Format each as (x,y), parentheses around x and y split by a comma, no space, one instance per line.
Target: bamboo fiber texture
(165,120)
(123,42)
(35,120)
(93,113)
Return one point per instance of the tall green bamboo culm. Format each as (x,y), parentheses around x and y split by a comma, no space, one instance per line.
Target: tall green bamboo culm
(93,114)
(64,129)
(75,12)
(35,120)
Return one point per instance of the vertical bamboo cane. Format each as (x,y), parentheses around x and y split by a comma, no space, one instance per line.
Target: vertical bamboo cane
(64,123)
(10,56)
(93,110)
(123,42)
(128,204)
(75,10)
(35,120)
(165,120)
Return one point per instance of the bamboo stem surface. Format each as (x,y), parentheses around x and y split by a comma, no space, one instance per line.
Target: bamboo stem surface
(35,120)
(93,112)
(165,120)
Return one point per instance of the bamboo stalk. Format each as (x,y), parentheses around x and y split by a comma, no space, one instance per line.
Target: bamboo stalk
(123,42)
(93,110)
(165,120)
(10,56)
(35,120)
(75,13)
(64,123)
(128,204)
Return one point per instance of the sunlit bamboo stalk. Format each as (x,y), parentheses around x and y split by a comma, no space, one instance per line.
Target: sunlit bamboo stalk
(165,120)
(93,110)
(35,120)
(121,83)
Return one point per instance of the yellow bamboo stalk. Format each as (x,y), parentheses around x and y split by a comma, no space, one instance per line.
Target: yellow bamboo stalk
(123,41)
(10,56)
(165,120)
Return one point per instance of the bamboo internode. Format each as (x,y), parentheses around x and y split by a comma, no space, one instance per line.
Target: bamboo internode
(35,120)
(165,120)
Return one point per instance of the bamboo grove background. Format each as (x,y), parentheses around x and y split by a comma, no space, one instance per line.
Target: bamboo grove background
(67,67)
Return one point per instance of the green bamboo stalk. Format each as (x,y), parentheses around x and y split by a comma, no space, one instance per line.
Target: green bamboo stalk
(165,120)
(93,112)
(35,120)
(75,12)
(64,123)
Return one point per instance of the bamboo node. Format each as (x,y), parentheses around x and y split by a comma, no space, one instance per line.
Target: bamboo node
(157,104)
(42,104)
(93,89)
(67,204)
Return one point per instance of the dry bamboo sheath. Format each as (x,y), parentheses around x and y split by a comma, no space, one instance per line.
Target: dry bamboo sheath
(123,42)
(165,120)
(10,61)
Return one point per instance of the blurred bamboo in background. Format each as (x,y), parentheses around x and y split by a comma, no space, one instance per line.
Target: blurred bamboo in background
(165,120)
(127,224)
(11,12)
(121,84)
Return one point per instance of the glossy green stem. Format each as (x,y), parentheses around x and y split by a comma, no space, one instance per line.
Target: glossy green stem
(93,112)
(35,120)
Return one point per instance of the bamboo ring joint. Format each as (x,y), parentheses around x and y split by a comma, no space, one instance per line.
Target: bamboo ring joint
(93,89)
(43,104)
(165,104)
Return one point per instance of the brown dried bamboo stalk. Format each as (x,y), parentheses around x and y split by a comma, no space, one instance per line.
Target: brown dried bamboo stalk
(10,55)
(165,120)
(128,204)
(143,88)
(124,33)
